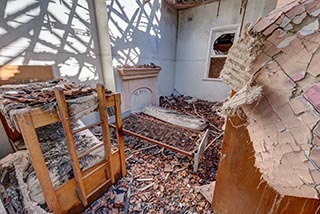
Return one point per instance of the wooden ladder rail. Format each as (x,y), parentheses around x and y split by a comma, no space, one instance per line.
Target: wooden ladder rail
(105,128)
(65,119)
(66,124)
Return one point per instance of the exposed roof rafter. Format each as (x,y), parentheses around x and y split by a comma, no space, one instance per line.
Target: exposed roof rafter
(185,4)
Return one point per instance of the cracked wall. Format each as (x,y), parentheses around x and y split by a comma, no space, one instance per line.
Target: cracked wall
(281,53)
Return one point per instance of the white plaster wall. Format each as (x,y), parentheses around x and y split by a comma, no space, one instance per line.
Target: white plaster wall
(143,33)
(61,33)
(193,40)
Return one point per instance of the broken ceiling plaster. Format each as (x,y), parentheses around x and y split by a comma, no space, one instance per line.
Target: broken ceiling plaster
(280,54)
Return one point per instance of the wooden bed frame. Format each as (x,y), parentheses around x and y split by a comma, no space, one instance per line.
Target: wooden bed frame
(21,74)
(74,195)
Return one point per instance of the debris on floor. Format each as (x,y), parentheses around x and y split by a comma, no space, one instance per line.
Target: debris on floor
(159,180)
(176,118)
(207,190)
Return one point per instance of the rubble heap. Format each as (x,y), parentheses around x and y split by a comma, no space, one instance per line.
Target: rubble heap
(55,152)
(15,99)
(159,180)
(185,139)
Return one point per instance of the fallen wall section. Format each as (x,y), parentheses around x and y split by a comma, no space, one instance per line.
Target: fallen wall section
(282,123)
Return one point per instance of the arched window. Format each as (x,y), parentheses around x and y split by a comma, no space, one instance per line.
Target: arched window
(221,41)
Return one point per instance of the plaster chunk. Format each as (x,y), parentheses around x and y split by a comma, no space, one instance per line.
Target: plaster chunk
(315,175)
(299,105)
(269,50)
(277,37)
(310,28)
(286,41)
(298,19)
(315,156)
(285,138)
(308,191)
(316,130)
(298,76)
(315,13)
(304,175)
(286,148)
(310,118)
(262,24)
(316,141)
(298,9)
(312,94)
(292,64)
(314,67)
(302,157)
(311,5)
(285,22)
(270,29)
(294,160)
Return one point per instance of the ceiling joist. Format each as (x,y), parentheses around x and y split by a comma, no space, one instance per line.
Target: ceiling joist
(185,4)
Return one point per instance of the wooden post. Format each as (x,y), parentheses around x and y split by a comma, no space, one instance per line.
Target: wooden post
(32,143)
(105,128)
(64,117)
(119,128)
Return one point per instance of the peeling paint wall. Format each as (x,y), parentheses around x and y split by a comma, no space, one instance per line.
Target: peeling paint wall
(193,42)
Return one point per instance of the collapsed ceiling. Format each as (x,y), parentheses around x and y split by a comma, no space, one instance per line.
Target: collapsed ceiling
(279,55)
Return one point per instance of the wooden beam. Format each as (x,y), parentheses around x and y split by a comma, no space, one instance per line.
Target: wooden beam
(105,128)
(119,128)
(66,193)
(172,148)
(65,119)
(183,6)
(32,143)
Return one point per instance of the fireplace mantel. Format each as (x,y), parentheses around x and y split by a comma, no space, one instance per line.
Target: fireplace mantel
(138,73)
(139,86)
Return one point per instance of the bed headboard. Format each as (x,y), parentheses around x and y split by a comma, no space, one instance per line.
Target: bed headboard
(19,74)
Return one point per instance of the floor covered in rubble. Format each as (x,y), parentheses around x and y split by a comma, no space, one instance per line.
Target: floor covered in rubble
(159,180)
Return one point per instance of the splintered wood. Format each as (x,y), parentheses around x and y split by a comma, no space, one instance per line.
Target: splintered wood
(159,180)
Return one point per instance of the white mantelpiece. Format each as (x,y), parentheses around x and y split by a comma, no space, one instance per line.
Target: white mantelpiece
(139,87)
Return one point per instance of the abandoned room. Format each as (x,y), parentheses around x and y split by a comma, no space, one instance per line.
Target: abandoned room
(160,106)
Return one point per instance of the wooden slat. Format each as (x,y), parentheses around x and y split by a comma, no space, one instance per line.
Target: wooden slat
(167,146)
(105,129)
(66,193)
(96,169)
(119,128)
(86,127)
(42,118)
(99,187)
(65,119)
(109,100)
(32,143)
(90,150)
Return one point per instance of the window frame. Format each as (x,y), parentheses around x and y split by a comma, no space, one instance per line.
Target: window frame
(212,37)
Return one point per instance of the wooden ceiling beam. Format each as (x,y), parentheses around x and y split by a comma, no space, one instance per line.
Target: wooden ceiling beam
(183,6)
